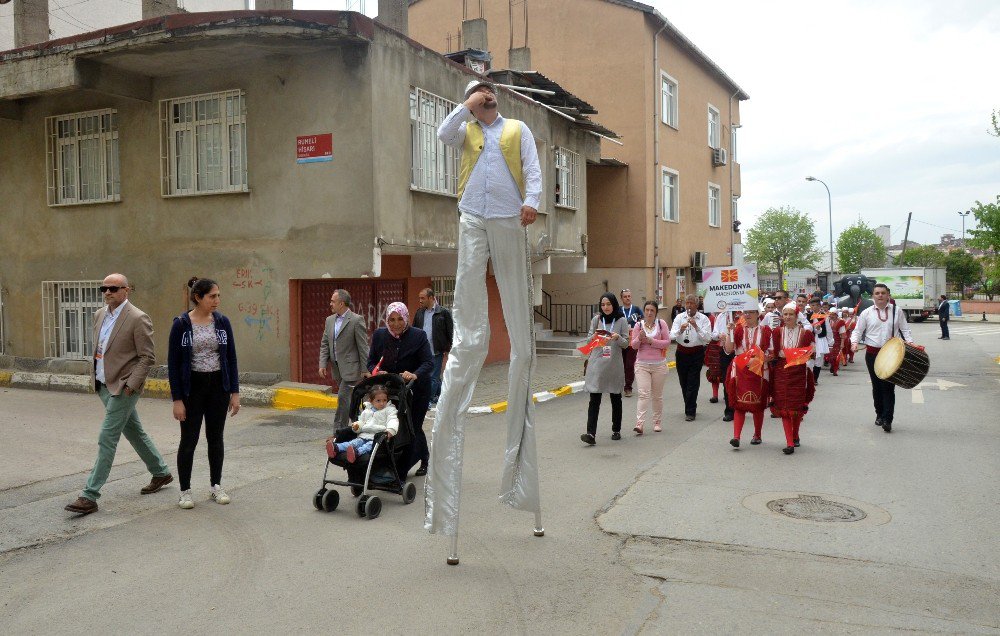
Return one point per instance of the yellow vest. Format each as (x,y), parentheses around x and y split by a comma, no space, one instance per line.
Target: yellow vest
(510,147)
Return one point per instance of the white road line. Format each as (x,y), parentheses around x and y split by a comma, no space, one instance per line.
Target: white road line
(917,396)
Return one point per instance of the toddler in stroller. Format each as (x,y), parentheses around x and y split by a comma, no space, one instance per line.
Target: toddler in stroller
(376,450)
(377,416)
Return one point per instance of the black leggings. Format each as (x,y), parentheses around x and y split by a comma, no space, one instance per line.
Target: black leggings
(595,408)
(210,401)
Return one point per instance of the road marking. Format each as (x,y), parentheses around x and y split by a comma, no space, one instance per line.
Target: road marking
(944,385)
(917,395)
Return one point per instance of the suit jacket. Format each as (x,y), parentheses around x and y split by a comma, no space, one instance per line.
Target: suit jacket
(444,328)
(129,353)
(943,310)
(351,346)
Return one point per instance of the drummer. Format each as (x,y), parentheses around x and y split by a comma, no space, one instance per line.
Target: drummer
(875,326)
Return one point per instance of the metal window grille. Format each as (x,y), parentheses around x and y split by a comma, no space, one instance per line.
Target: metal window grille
(670,198)
(568,177)
(68,317)
(203,144)
(444,290)
(82,158)
(434,165)
(668,107)
(714,130)
(714,211)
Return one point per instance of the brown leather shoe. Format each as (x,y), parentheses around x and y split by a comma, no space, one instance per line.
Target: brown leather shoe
(82,506)
(156,483)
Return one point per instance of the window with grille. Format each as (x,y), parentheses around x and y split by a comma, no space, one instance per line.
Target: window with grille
(444,290)
(668,100)
(714,127)
(82,158)
(567,178)
(671,196)
(203,144)
(714,205)
(68,317)
(434,165)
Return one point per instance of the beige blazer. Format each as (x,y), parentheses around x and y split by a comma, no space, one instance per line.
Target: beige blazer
(351,347)
(130,349)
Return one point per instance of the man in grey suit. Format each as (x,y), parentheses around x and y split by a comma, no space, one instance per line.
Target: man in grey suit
(123,354)
(343,350)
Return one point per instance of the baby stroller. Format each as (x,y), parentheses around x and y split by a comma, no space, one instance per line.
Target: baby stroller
(386,466)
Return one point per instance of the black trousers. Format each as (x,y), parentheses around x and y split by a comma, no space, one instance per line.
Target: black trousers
(595,409)
(724,361)
(208,401)
(944,328)
(689,366)
(883,393)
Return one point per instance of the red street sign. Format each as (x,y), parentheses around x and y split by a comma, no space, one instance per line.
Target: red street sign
(313,148)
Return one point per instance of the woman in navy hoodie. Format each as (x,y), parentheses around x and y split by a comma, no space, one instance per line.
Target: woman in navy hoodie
(204,383)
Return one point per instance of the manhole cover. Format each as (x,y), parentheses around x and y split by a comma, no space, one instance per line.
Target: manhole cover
(814,508)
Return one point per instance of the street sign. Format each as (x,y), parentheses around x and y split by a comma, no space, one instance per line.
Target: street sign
(314,148)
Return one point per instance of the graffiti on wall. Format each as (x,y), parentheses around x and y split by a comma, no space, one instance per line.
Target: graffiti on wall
(254,286)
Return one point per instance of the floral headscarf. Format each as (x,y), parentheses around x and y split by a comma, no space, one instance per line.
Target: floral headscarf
(404,313)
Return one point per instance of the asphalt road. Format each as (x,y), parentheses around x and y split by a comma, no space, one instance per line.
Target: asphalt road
(667,533)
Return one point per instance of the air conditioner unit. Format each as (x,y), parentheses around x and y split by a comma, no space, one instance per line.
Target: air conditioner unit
(719,156)
(699,260)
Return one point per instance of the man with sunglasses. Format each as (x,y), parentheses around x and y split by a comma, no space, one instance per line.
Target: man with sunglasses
(123,355)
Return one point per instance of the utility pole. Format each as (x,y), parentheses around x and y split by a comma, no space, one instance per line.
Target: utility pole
(906,235)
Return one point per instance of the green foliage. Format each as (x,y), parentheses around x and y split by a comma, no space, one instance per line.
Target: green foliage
(986,236)
(991,277)
(994,124)
(922,256)
(860,247)
(781,239)
(963,268)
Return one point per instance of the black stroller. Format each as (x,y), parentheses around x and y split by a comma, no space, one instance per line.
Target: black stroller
(386,466)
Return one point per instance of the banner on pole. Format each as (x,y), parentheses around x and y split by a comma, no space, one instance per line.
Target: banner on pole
(730,288)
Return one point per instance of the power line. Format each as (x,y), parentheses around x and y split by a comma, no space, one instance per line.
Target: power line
(940,227)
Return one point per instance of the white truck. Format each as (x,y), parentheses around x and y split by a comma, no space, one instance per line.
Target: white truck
(915,289)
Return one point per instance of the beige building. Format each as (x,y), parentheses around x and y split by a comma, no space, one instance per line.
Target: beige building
(661,205)
(283,154)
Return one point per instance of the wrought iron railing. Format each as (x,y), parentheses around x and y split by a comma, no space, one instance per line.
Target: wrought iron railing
(565,317)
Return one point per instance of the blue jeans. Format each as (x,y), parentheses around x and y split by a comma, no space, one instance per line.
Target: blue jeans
(436,378)
(361,446)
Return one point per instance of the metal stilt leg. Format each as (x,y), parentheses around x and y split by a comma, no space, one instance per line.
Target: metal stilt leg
(539,530)
(453,554)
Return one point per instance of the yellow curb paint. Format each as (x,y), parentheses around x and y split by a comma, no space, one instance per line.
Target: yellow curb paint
(563,390)
(156,388)
(5,377)
(288,399)
(499,407)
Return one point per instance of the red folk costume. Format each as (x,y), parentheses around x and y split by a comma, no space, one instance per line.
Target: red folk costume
(835,323)
(793,388)
(713,372)
(849,325)
(749,392)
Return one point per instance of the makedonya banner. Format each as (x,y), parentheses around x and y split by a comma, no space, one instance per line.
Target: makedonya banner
(730,288)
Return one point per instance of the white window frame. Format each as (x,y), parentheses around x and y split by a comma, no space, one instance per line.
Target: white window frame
(434,166)
(567,165)
(444,290)
(76,139)
(714,205)
(68,309)
(732,144)
(675,195)
(217,120)
(714,127)
(669,114)
(735,209)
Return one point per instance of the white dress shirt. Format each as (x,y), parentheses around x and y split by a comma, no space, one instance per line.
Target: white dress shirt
(699,336)
(491,191)
(110,318)
(722,321)
(871,330)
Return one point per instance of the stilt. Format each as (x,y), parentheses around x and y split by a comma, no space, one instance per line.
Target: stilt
(453,554)
(539,530)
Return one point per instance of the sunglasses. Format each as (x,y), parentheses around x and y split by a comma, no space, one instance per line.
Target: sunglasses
(110,288)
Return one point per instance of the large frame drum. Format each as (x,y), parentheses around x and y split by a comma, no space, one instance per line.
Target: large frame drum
(902,364)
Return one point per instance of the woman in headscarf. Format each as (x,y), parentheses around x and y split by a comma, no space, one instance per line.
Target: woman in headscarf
(749,390)
(396,348)
(606,368)
(793,387)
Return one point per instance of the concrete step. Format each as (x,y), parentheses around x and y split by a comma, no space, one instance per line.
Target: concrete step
(547,351)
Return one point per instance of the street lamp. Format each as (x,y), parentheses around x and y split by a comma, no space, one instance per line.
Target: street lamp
(963,215)
(829,201)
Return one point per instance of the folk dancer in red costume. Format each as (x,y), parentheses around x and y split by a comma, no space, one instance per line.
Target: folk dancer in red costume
(836,326)
(850,321)
(713,368)
(749,391)
(793,387)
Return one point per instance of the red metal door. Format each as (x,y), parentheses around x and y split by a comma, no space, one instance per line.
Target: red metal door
(369,298)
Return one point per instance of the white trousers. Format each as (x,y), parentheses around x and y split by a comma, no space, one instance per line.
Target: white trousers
(505,243)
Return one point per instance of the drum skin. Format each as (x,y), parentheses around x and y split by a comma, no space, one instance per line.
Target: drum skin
(902,364)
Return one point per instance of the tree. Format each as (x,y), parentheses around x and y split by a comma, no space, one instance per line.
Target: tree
(994,124)
(922,256)
(991,276)
(963,268)
(860,247)
(986,236)
(782,239)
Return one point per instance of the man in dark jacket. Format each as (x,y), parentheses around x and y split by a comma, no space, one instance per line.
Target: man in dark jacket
(943,312)
(437,322)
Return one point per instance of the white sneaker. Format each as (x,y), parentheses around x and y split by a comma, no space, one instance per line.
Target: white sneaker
(219,495)
(185,501)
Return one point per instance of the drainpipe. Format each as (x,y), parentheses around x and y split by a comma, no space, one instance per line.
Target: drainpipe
(657,187)
(732,158)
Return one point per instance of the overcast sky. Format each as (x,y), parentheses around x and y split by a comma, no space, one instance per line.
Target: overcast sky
(887,101)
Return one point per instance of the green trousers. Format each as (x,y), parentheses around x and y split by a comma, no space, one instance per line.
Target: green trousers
(121,418)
